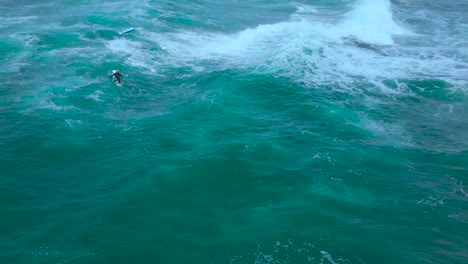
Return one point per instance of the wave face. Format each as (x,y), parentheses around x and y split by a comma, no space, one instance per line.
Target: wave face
(309,131)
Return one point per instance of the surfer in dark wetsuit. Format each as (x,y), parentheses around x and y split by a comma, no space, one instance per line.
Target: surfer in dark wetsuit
(116,76)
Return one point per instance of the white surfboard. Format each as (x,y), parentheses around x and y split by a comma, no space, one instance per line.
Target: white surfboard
(126,31)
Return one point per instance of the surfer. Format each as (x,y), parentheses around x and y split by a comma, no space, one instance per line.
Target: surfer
(116,76)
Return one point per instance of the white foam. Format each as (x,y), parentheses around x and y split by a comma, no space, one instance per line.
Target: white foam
(386,132)
(281,253)
(309,51)
(372,21)
(120,45)
(281,46)
(48,104)
(135,53)
(327,256)
(27,39)
(9,21)
(95,95)
(71,123)
(305,9)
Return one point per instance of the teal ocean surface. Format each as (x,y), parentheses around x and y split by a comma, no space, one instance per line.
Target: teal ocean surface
(246,132)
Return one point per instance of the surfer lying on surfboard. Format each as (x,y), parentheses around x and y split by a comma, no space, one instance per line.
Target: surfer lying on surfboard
(116,77)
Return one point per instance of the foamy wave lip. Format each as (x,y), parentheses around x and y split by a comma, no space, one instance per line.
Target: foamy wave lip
(244,47)
(372,21)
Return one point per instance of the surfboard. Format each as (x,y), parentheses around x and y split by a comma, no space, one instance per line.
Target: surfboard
(119,84)
(126,31)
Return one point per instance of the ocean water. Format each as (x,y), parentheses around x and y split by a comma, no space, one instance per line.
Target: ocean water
(253,131)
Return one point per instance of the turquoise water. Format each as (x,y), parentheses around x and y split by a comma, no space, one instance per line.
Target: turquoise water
(253,131)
